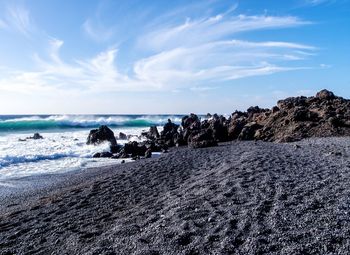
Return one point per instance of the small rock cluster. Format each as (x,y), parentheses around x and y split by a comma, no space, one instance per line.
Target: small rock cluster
(36,136)
(292,119)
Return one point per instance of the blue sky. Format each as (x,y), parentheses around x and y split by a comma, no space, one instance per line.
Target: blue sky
(155,56)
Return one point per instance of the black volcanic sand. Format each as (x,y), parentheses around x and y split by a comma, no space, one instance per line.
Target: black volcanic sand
(238,198)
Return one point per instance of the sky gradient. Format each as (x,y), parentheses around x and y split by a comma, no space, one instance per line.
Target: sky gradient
(154,56)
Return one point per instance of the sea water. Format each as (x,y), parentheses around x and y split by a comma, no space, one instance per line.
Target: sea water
(64,145)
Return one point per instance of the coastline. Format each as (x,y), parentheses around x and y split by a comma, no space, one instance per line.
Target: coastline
(240,197)
(14,191)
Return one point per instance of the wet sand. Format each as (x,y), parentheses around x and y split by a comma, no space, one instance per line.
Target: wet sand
(237,198)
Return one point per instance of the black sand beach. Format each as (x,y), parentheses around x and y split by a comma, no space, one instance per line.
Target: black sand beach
(238,198)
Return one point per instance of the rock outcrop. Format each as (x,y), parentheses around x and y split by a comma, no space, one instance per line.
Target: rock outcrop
(36,136)
(152,134)
(122,136)
(100,135)
(294,118)
(169,134)
(202,138)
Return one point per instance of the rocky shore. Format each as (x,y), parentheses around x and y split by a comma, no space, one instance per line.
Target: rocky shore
(293,119)
(257,182)
(240,197)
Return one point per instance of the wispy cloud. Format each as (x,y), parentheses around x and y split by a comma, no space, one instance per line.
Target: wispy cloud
(318,2)
(2,24)
(96,31)
(325,66)
(193,32)
(178,68)
(216,61)
(191,55)
(18,18)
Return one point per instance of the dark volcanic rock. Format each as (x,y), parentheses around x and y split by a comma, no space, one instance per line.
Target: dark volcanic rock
(190,121)
(122,136)
(293,119)
(135,149)
(190,124)
(249,130)
(36,136)
(97,155)
(201,139)
(296,118)
(100,135)
(169,127)
(148,153)
(179,139)
(104,154)
(325,94)
(152,134)
(169,134)
(236,123)
(218,125)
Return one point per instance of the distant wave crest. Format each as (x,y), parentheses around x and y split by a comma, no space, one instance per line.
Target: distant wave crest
(82,121)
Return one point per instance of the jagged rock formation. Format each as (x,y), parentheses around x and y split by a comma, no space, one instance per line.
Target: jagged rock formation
(100,135)
(296,118)
(292,119)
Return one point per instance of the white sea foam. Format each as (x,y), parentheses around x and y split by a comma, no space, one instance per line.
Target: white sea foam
(57,152)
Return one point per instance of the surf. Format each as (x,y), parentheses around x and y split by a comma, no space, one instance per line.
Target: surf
(54,122)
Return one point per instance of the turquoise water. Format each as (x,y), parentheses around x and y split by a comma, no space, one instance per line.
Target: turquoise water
(64,145)
(47,123)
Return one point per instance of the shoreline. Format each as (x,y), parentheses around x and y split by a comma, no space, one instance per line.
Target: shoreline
(240,197)
(14,190)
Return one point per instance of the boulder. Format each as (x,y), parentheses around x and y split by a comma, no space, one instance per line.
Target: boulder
(36,136)
(218,125)
(115,148)
(121,154)
(122,136)
(134,149)
(106,154)
(170,127)
(291,102)
(325,95)
(248,131)
(152,134)
(304,114)
(179,140)
(190,121)
(148,153)
(103,155)
(100,135)
(201,139)
(168,134)
(235,127)
(97,155)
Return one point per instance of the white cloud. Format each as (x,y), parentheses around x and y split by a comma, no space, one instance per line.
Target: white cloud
(96,31)
(319,2)
(168,70)
(213,28)
(306,92)
(19,19)
(217,61)
(325,66)
(193,55)
(2,24)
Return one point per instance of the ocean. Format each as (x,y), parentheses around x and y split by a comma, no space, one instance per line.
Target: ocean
(64,145)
